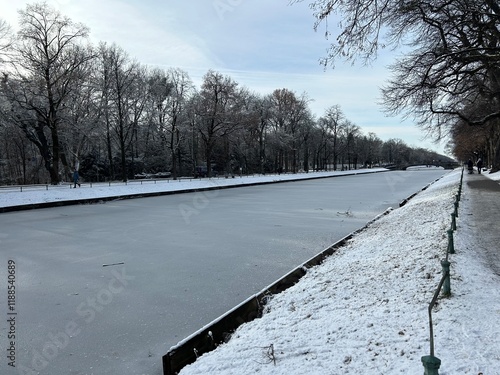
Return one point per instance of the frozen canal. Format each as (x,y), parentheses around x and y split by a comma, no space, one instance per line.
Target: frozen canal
(109,288)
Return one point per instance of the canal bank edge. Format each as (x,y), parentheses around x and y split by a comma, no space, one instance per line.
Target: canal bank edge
(219,330)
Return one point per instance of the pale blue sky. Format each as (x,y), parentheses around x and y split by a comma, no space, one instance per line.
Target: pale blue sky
(262,44)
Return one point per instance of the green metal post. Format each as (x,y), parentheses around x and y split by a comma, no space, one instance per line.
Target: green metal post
(453,221)
(446,285)
(431,365)
(451,245)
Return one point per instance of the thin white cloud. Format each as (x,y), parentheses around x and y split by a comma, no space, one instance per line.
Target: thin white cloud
(151,37)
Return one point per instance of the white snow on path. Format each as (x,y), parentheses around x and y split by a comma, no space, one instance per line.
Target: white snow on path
(13,196)
(364,310)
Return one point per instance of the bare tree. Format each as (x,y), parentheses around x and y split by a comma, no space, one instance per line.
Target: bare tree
(122,97)
(395,151)
(47,65)
(6,39)
(80,121)
(350,132)
(217,108)
(261,108)
(333,121)
(181,88)
(288,113)
(453,58)
(156,140)
(370,150)
(455,66)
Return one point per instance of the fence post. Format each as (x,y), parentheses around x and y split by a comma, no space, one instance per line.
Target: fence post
(431,364)
(451,245)
(446,271)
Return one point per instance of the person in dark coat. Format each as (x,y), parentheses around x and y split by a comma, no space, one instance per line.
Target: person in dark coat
(470,166)
(479,165)
(76,178)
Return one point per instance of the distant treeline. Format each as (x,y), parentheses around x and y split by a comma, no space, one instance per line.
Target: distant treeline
(65,104)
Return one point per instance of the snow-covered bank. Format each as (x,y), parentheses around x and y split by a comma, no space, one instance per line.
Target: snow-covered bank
(492,176)
(14,196)
(364,311)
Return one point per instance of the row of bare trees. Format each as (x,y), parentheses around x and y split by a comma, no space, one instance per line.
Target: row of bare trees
(66,104)
(449,77)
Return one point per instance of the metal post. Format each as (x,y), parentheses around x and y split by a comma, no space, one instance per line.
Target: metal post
(453,222)
(451,246)
(446,272)
(456,209)
(431,365)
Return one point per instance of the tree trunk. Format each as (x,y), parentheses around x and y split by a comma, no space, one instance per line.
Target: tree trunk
(495,162)
(174,139)
(306,159)
(261,150)
(122,155)
(208,155)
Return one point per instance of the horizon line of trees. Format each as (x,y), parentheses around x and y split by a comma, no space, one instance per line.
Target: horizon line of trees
(66,104)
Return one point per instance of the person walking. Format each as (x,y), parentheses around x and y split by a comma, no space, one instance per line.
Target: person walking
(470,166)
(76,178)
(479,165)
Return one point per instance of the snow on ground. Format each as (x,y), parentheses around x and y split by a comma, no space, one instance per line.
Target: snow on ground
(13,196)
(365,309)
(493,176)
(422,167)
